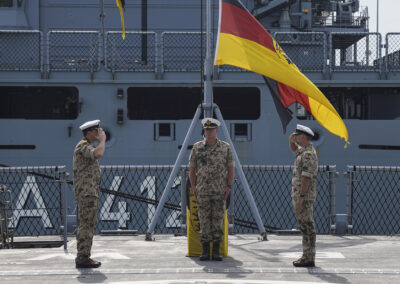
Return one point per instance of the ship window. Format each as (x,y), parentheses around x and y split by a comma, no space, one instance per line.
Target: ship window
(164,131)
(39,102)
(361,103)
(6,3)
(241,131)
(173,103)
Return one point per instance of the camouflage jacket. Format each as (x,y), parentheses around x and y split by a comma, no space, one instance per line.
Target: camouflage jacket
(306,164)
(211,163)
(86,170)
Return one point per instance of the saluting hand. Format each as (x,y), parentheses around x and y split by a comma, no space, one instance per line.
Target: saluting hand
(101,136)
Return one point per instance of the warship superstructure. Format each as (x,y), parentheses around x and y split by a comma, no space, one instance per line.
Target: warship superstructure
(64,62)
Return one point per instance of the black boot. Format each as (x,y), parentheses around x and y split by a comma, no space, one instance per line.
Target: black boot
(205,255)
(215,252)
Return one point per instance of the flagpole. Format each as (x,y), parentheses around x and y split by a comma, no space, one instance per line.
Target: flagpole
(208,112)
(207,65)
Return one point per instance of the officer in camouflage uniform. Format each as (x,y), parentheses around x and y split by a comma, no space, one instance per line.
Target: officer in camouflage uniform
(87,189)
(304,190)
(211,175)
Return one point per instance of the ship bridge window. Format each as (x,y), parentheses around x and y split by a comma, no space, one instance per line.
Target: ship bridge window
(6,3)
(173,103)
(363,103)
(39,102)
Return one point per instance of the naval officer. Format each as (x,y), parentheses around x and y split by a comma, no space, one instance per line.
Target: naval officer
(211,173)
(87,189)
(304,190)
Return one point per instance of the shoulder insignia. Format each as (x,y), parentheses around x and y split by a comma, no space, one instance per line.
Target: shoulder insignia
(83,141)
(308,151)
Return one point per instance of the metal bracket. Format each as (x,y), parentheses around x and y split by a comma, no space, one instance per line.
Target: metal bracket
(149,237)
(263,237)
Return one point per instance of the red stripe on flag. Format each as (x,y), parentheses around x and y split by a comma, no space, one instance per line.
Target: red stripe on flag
(241,23)
(290,96)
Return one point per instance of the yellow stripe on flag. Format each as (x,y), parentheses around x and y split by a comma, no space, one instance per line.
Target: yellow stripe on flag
(249,55)
(119,4)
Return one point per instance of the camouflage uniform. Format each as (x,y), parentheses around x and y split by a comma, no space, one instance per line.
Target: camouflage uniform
(87,192)
(306,164)
(211,163)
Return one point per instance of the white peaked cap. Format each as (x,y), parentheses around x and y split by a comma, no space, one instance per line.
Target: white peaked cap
(209,122)
(301,129)
(90,124)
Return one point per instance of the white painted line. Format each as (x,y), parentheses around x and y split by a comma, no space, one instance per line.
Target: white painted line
(112,255)
(212,281)
(321,254)
(54,255)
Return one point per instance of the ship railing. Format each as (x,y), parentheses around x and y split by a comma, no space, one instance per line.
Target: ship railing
(347,21)
(182,51)
(373,200)
(392,55)
(355,52)
(73,51)
(136,53)
(308,50)
(174,51)
(39,205)
(21,50)
(130,195)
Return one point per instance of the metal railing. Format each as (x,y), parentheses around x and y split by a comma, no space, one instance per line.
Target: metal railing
(392,56)
(307,50)
(271,188)
(21,50)
(355,52)
(73,51)
(38,200)
(181,51)
(136,53)
(373,200)
(130,195)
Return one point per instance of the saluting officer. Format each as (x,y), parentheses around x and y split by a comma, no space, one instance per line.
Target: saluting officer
(211,172)
(87,189)
(304,190)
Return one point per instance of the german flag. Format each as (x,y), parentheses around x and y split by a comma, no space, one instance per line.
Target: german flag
(121,5)
(243,42)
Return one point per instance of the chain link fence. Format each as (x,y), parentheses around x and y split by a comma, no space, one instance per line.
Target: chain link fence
(392,58)
(181,51)
(21,50)
(307,50)
(373,200)
(73,51)
(37,199)
(355,52)
(271,188)
(130,195)
(136,53)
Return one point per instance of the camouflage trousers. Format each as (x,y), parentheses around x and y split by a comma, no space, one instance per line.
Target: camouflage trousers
(211,210)
(87,221)
(306,223)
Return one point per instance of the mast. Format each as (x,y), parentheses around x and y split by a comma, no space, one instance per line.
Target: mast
(208,98)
